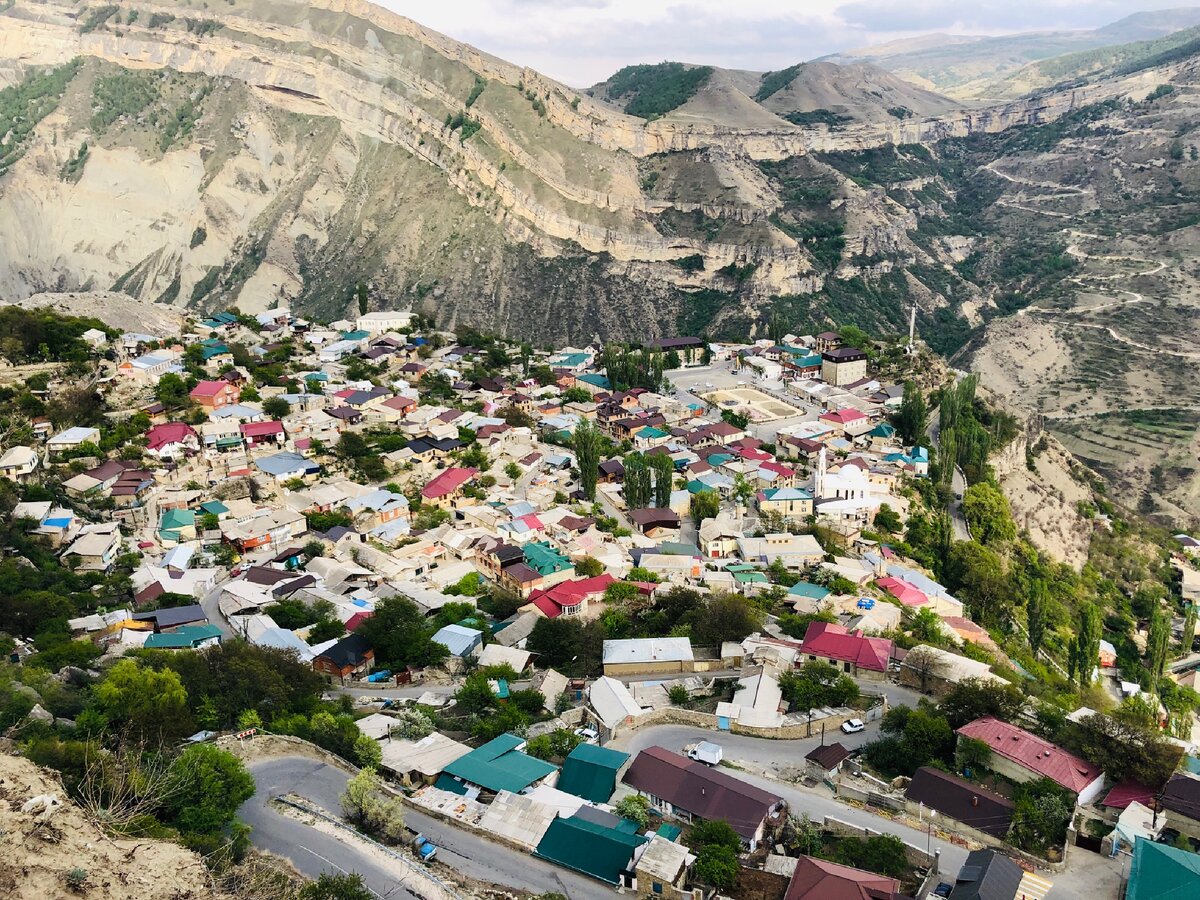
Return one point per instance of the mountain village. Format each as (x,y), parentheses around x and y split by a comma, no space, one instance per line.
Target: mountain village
(635,614)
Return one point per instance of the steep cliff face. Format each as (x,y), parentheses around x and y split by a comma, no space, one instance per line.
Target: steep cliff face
(270,149)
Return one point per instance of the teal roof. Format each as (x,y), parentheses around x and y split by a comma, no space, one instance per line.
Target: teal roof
(592,849)
(883,430)
(669,831)
(597,380)
(719,459)
(1160,871)
(175,519)
(569,360)
(590,772)
(651,434)
(453,785)
(544,559)
(499,766)
(750,578)
(809,590)
(1192,764)
(355,335)
(184,637)
(213,350)
(216,507)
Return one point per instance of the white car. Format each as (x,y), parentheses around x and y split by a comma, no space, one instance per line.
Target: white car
(589,734)
(853,726)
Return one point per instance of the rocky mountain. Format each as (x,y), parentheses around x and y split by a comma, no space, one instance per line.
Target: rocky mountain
(269,150)
(967,66)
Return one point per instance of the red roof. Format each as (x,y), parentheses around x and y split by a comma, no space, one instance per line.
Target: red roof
(262,429)
(343,393)
(569,593)
(447,482)
(903,591)
(833,641)
(722,429)
(843,416)
(778,469)
(1121,795)
(209,388)
(171,433)
(1033,753)
(357,619)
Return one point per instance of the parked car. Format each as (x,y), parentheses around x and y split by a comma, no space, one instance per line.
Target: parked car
(853,726)
(943,890)
(424,848)
(589,734)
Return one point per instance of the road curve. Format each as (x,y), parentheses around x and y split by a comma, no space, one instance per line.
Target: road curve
(314,852)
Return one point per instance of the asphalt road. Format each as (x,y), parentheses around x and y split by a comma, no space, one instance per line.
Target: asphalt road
(958,484)
(314,852)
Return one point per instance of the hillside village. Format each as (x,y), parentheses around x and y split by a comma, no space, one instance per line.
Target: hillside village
(513,576)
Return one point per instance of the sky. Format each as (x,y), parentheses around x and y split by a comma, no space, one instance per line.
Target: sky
(581,42)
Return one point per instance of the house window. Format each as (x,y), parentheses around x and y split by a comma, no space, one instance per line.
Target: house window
(845,667)
(657,887)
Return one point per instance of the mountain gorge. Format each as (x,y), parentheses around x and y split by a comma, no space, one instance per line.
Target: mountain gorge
(209,155)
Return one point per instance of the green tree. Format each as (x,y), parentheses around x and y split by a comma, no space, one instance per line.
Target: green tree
(513,471)
(726,617)
(635,808)
(1158,643)
(336,887)
(974,698)
(678,695)
(988,515)
(1036,615)
(887,519)
(587,442)
(400,635)
(637,481)
(912,421)
(717,866)
(276,407)
(663,469)
(367,805)
(978,573)
(151,705)
(713,833)
(208,785)
(171,391)
(1084,652)
(1188,638)
(589,567)
(706,504)
(743,490)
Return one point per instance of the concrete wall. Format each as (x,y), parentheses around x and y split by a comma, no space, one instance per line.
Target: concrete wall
(664,667)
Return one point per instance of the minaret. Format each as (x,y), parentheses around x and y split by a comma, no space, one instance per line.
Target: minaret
(819,477)
(912,328)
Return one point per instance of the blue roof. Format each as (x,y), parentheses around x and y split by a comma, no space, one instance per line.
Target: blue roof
(58,523)
(285,463)
(809,590)
(458,640)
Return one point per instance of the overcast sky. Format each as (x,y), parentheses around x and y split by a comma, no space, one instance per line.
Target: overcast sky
(583,41)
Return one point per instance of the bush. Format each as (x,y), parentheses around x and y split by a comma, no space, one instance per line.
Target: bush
(678,695)
(718,866)
(635,808)
(367,806)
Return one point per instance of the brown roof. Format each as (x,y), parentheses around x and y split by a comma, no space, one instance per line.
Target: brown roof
(827,757)
(701,791)
(819,879)
(1182,796)
(655,518)
(959,799)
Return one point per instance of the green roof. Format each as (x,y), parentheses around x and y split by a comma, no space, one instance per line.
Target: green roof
(174,519)
(809,590)
(184,637)
(669,831)
(750,578)
(544,559)
(651,433)
(216,507)
(499,766)
(586,847)
(453,785)
(1160,871)
(590,772)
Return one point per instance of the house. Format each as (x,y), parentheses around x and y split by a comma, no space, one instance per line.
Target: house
(819,879)
(645,656)
(794,504)
(849,421)
(958,799)
(384,321)
(256,434)
(683,788)
(18,463)
(1160,872)
(71,439)
(843,365)
(447,486)
(655,522)
(570,598)
(1181,800)
(186,637)
(661,869)
(987,875)
(1021,756)
(690,350)
(351,656)
(613,704)
(459,640)
(852,652)
(499,765)
(590,772)
(94,550)
(171,440)
(936,671)
(215,394)
(599,849)
(420,762)
(826,760)
(167,620)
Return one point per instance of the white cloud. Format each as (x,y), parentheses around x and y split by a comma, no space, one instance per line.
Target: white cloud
(583,41)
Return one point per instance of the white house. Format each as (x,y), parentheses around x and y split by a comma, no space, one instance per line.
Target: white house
(18,463)
(72,438)
(384,321)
